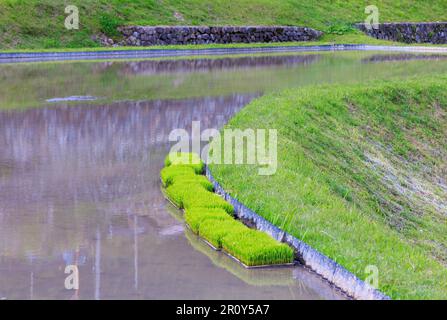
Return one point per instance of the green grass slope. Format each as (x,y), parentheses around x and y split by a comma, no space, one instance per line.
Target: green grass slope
(361,177)
(40,23)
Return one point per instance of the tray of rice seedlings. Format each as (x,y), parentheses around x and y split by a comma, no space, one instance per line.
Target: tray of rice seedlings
(182,158)
(195,180)
(205,199)
(257,249)
(213,231)
(168,174)
(207,214)
(253,276)
(194,217)
(176,193)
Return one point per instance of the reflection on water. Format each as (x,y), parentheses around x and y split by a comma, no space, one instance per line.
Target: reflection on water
(31,85)
(68,147)
(72,98)
(91,158)
(403,57)
(210,65)
(79,183)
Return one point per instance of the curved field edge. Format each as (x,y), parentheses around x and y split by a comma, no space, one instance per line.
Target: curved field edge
(361,177)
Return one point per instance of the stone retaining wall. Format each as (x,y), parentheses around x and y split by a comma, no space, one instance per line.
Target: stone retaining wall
(430,32)
(147,36)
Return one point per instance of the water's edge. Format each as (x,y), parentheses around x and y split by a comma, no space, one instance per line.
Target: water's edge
(319,263)
(12,57)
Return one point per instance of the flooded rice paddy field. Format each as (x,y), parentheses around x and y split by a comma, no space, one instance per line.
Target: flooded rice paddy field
(81,147)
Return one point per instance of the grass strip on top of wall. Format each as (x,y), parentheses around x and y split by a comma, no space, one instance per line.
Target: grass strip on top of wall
(212,217)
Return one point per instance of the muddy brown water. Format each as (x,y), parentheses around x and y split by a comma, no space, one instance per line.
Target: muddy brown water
(79,181)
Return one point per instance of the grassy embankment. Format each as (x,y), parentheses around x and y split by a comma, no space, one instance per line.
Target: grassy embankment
(211,217)
(361,177)
(39,24)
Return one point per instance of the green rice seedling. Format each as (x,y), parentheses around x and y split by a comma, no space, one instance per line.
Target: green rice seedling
(185,159)
(211,216)
(206,199)
(214,230)
(168,174)
(179,191)
(195,216)
(254,248)
(194,180)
